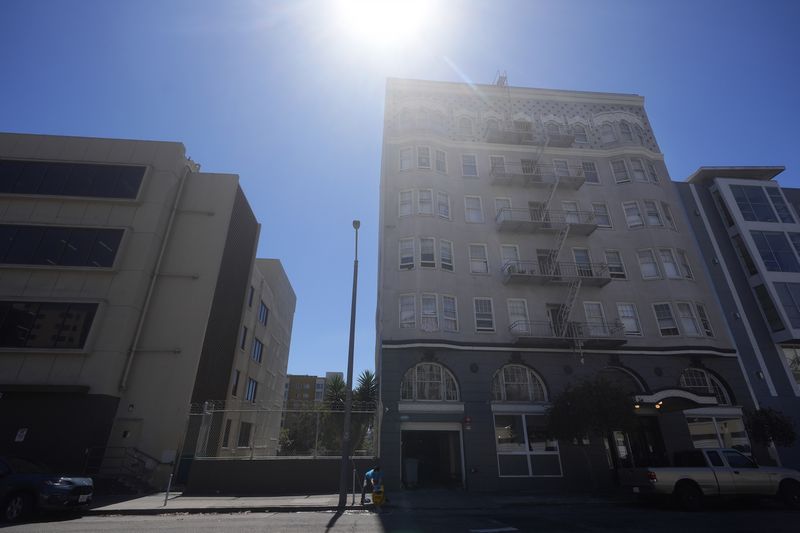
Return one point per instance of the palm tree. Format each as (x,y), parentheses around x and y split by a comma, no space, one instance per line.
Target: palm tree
(367,390)
(335,392)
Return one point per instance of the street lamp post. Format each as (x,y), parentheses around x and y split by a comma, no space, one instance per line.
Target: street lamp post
(348,399)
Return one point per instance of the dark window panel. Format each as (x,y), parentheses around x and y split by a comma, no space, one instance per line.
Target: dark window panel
(128,182)
(105,181)
(45,324)
(30,179)
(26,242)
(6,240)
(76,252)
(18,324)
(105,248)
(55,178)
(51,247)
(9,174)
(79,182)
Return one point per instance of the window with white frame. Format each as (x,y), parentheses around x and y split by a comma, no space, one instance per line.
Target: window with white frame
(449,313)
(406,158)
(686,267)
(620,170)
(595,319)
(775,251)
(705,322)
(776,198)
(509,255)
(583,262)
(616,268)
(503,205)
(517,383)
(648,265)
(425,202)
(792,356)
(669,264)
(441,161)
(651,213)
(405,205)
(625,131)
(478,259)
(601,216)
(590,172)
(446,255)
(637,170)
(423,157)
(473,209)
(700,381)
(251,391)
(633,217)
(469,166)
(408,311)
(497,165)
(443,205)
(523,449)
(406,254)
(429,382)
(668,215)
(561,167)
(688,319)
(429,313)
(753,203)
(629,318)
(579,131)
(651,172)
(484,314)
(571,214)
(607,133)
(427,252)
(667,326)
(518,316)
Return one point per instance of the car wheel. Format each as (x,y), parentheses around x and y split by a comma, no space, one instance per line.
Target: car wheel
(790,494)
(16,507)
(689,497)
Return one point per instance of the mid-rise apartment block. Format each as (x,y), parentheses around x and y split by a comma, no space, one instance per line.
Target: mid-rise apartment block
(531,239)
(124,271)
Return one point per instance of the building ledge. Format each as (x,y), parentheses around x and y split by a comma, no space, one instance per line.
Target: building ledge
(705,174)
(430,407)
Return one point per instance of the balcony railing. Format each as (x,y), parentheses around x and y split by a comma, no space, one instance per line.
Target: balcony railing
(545,271)
(596,334)
(534,219)
(530,174)
(512,135)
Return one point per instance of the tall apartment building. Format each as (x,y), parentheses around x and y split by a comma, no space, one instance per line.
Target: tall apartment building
(748,227)
(531,239)
(303,390)
(123,274)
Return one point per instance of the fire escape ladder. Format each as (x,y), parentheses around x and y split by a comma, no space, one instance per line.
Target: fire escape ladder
(566,310)
(560,239)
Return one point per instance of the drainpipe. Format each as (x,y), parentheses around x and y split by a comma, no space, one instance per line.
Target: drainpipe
(123,382)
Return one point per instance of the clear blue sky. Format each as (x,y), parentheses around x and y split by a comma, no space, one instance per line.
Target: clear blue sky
(277,93)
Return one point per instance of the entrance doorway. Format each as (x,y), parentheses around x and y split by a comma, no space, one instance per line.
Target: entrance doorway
(431,458)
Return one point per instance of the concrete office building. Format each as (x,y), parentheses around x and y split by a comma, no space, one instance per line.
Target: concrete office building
(748,227)
(530,239)
(123,274)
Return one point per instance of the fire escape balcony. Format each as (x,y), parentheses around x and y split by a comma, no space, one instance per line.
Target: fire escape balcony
(599,334)
(530,174)
(544,272)
(533,220)
(510,135)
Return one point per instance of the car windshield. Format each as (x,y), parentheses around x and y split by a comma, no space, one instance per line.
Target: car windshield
(21,466)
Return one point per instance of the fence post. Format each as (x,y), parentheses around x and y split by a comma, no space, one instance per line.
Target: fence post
(316,436)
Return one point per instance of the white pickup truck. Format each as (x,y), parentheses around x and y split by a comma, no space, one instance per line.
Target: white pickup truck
(713,472)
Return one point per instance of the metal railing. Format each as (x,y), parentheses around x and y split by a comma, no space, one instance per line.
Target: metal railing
(560,270)
(573,330)
(530,173)
(545,217)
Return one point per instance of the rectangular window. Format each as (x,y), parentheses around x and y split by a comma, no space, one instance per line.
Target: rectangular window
(405,206)
(427,252)
(633,216)
(571,215)
(469,166)
(473,209)
(629,318)
(744,255)
(667,326)
(441,161)
(226,435)
(406,254)
(688,320)
(263,314)
(792,356)
(523,448)
(446,255)
(768,308)
(668,215)
(651,172)
(70,179)
(243,341)
(719,432)
(601,216)
(590,172)
(561,167)
(429,314)
(652,214)
(789,295)
(583,262)
(668,262)
(478,259)
(443,205)
(637,169)
(779,204)
(58,246)
(620,171)
(705,323)
(518,316)
(648,265)
(503,205)
(686,267)
(245,428)
(257,350)
(795,240)
(497,164)
(595,319)
(425,202)
(250,296)
(753,203)
(775,251)
(408,311)
(616,268)
(406,158)
(423,157)
(484,314)
(509,255)
(235,383)
(252,390)
(449,313)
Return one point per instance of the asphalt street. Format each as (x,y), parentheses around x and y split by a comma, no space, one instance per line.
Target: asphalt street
(618,518)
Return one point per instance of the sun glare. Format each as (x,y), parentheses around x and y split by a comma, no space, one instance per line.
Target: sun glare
(384,23)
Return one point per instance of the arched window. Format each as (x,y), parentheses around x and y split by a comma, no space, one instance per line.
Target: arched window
(625,131)
(517,383)
(699,381)
(552,128)
(607,133)
(639,133)
(579,131)
(492,124)
(622,378)
(429,382)
(465,126)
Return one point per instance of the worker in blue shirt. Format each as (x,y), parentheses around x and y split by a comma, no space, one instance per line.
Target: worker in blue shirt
(373,479)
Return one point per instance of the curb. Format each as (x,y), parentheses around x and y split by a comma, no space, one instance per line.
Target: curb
(218,510)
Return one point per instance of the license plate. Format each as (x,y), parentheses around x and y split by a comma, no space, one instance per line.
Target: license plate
(636,490)
(83,498)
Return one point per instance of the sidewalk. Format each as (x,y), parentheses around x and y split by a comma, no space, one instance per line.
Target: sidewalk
(433,499)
